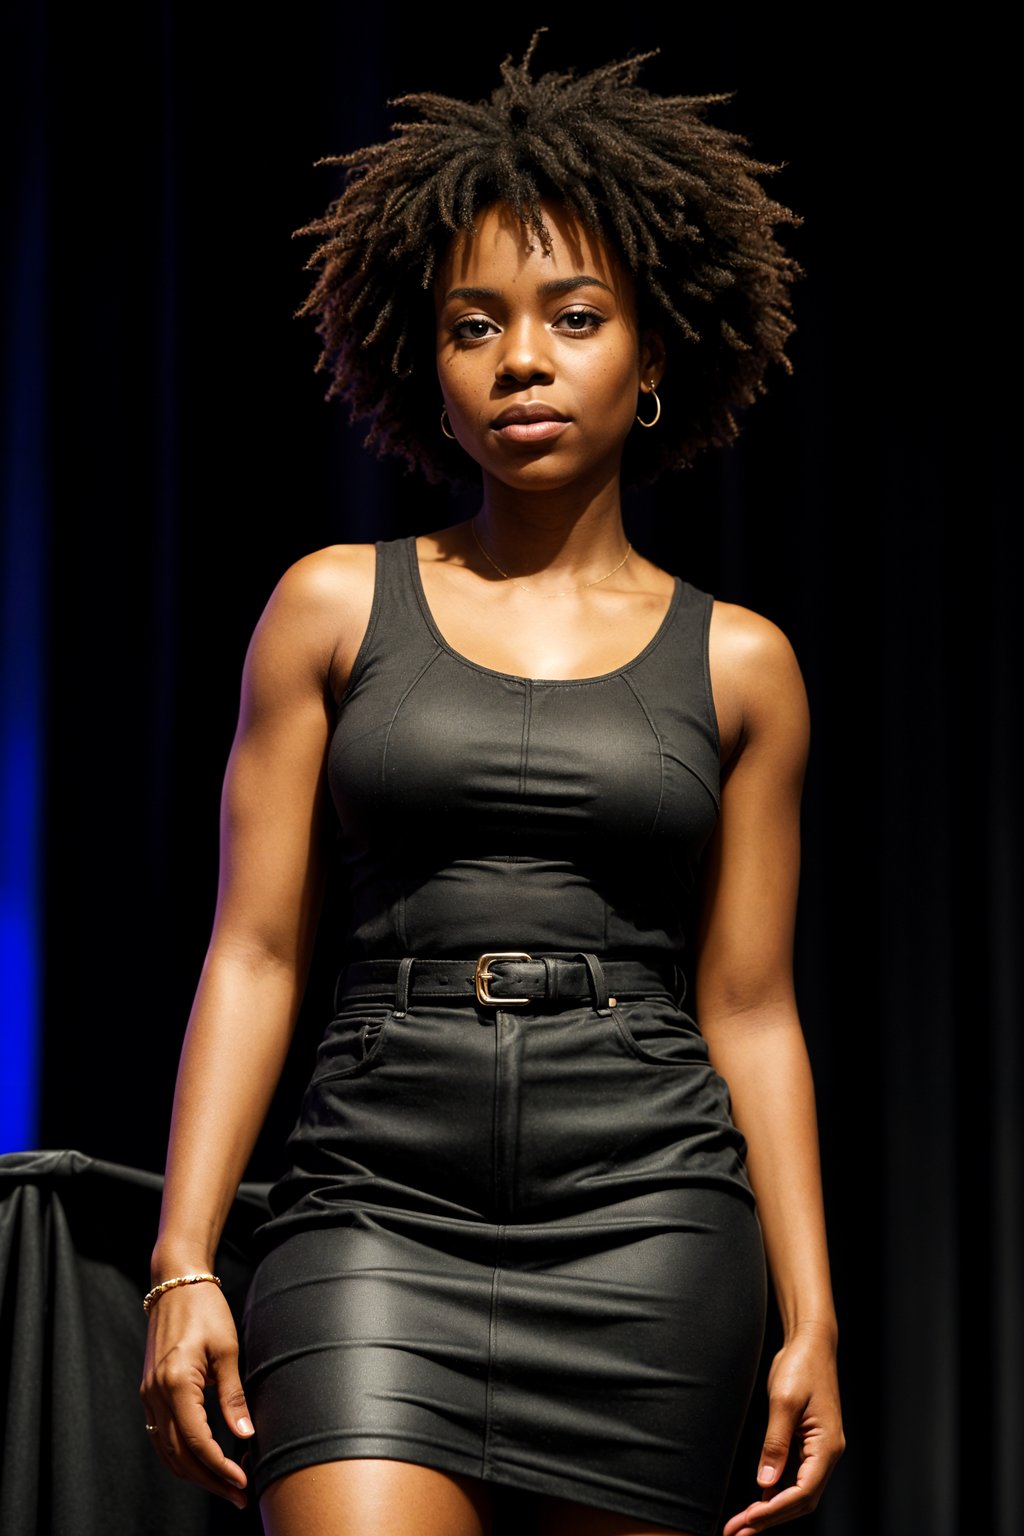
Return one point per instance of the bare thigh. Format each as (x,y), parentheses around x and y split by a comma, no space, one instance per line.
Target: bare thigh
(375,1498)
(363,1497)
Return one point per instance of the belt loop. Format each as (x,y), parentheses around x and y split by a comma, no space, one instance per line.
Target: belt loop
(598,985)
(402,987)
(550,979)
(337,986)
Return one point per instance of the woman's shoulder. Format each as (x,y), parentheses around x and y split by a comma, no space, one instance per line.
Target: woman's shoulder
(326,587)
(748,640)
(336,572)
(319,609)
(755,676)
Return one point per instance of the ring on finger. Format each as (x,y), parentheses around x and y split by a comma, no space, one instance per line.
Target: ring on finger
(152,1429)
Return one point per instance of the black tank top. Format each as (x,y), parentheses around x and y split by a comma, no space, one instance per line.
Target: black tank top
(483,811)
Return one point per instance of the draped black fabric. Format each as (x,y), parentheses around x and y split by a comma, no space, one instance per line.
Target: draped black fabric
(867,509)
(74,1235)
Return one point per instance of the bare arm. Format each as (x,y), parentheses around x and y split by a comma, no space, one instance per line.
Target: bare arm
(271,876)
(748,1015)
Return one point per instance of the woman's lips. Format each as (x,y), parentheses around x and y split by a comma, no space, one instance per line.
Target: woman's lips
(532,431)
(530,423)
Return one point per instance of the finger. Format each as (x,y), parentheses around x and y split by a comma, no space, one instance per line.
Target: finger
(189,1441)
(185,1464)
(763,1513)
(189,1460)
(157,1438)
(177,1455)
(799,1498)
(782,1420)
(231,1397)
(156,1422)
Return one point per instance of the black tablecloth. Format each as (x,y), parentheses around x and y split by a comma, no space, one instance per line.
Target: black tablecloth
(75,1240)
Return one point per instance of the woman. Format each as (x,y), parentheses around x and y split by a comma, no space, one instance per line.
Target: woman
(517,1244)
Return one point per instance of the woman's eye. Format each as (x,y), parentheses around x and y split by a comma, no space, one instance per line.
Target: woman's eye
(580,321)
(475,328)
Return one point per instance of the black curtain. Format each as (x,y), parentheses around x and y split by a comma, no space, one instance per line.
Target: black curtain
(190,457)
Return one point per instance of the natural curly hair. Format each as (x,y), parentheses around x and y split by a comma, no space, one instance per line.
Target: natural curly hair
(676,196)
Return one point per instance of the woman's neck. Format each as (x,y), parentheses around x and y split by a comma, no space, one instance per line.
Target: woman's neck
(568,533)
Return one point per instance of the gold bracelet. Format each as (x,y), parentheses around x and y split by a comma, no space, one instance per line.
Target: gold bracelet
(169,1285)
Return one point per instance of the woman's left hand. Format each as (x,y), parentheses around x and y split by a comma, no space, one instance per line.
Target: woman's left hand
(804,1424)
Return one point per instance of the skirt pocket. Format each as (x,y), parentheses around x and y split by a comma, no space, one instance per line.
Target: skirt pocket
(656,1031)
(353,1043)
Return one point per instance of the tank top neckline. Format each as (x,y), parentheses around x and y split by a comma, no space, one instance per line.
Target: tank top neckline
(519,677)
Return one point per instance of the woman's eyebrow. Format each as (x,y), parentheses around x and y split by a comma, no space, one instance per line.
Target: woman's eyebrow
(556,285)
(472,293)
(569,284)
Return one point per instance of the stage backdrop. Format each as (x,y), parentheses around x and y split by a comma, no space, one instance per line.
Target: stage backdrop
(167,453)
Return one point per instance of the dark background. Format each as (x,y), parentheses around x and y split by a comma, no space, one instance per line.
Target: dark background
(157,158)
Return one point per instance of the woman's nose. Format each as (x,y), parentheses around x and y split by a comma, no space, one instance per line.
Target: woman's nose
(525,355)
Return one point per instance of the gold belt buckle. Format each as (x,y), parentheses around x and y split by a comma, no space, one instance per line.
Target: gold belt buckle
(483,976)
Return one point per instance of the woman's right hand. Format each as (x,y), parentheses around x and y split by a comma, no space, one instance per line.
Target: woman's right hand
(192,1345)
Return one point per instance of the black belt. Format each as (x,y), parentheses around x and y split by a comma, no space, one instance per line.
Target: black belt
(509,979)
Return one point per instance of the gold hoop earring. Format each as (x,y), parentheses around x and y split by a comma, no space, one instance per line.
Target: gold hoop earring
(657,410)
(447,429)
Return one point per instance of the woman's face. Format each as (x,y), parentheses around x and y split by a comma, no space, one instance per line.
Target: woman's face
(539,356)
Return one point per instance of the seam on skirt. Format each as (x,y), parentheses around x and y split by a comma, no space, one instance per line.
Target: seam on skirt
(490,1417)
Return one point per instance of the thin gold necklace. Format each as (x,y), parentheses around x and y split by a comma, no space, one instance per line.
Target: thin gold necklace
(563,591)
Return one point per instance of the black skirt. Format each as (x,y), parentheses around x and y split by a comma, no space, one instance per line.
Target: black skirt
(516,1244)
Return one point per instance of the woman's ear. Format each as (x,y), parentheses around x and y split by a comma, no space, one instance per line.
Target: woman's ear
(652,357)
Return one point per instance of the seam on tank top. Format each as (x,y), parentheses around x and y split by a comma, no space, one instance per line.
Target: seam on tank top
(398,708)
(398,905)
(377,603)
(524,765)
(524,756)
(709,697)
(701,780)
(661,751)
